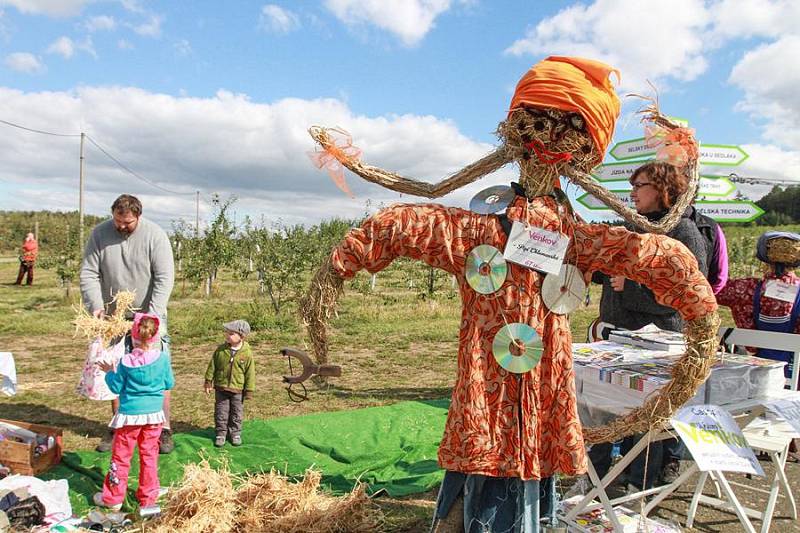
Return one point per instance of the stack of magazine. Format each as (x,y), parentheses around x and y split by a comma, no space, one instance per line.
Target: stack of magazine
(651,337)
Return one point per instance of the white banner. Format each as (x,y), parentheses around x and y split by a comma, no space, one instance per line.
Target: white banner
(715,440)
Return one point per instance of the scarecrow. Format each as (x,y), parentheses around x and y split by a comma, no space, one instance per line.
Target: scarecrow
(771,302)
(513,415)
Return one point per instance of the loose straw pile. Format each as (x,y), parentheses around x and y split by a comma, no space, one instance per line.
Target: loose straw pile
(107,328)
(206,501)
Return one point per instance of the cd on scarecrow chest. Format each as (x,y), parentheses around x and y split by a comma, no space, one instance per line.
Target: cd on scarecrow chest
(492,200)
(563,293)
(517,347)
(486,269)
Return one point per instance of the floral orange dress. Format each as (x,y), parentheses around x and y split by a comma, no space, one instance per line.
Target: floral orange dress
(502,424)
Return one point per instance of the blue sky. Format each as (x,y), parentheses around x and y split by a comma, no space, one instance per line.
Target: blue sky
(217,98)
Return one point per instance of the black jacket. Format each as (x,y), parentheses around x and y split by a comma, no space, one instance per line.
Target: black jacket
(635,306)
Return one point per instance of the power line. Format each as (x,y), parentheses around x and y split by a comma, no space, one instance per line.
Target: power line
(102,150)
(133,173)
(13,125)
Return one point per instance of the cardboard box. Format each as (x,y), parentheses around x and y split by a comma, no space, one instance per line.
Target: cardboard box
(21,457)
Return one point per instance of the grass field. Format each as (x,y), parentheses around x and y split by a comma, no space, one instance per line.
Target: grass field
(392,345)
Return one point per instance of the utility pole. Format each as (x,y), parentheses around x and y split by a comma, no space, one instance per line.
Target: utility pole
(197,215)
(80,199)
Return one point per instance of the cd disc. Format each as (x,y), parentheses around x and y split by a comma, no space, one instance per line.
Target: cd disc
(492,200)
(517,347)
(486,269)
(563,293)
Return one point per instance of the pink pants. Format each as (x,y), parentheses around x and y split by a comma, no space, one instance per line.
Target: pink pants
(125,440)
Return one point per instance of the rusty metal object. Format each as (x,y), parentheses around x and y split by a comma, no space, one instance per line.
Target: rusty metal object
(309,369)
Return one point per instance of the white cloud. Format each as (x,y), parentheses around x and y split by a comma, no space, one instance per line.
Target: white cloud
(24,62)
(151,28)
(100,23)
(182,47)
(658,40)
(124,44)
(52,8)
(755,18)
(276,19)
(769,75)
(65,47)
(410,20)
(227,144)
(62,46)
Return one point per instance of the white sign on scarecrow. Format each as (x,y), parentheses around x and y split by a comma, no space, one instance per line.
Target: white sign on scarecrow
(715,440)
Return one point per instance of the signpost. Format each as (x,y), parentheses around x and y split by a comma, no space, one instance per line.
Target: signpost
(729,210)
(633,153)
(590,202)
(722,155)
(727,155)
(715,186)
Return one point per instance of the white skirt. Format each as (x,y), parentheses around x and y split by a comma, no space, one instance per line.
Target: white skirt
(121,420)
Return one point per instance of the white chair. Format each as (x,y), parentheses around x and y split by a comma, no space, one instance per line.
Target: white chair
(762,435)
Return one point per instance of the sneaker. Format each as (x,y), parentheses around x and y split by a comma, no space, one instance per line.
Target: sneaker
(670,472)
(165,442)
(105,443)
(98,501)
(236,440)
(219,441)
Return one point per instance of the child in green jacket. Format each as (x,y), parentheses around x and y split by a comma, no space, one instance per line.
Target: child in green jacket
(232,375)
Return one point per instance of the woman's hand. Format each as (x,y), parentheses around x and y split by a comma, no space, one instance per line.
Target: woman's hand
(618,283)
(207,389)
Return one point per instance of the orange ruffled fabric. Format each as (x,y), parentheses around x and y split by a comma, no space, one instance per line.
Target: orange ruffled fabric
(573,84)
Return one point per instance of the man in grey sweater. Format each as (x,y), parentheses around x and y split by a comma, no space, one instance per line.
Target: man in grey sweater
(129,253)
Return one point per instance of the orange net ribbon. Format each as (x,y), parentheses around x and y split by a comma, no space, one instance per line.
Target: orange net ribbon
(676,146)
(331,155)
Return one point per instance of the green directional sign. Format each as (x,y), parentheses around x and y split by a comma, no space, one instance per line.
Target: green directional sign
(617,171)
(729,210)
(632,149)
(590,202)
(715,186)
(722,155)
(710,154)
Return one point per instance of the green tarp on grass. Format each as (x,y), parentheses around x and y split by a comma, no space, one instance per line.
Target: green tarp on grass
(391,448)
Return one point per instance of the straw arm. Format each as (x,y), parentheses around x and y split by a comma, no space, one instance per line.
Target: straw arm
(666,224)
(318,306)
(415,187)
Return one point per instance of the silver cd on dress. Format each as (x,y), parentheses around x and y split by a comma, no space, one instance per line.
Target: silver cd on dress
(564,293)
(492,200)
(486,269)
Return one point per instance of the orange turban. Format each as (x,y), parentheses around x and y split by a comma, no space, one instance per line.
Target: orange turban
(573,84)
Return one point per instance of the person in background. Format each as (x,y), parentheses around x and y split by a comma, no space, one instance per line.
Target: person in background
(27,258)
(140,379)
(130,253)
(772,301)
(231,374)
(629,305)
